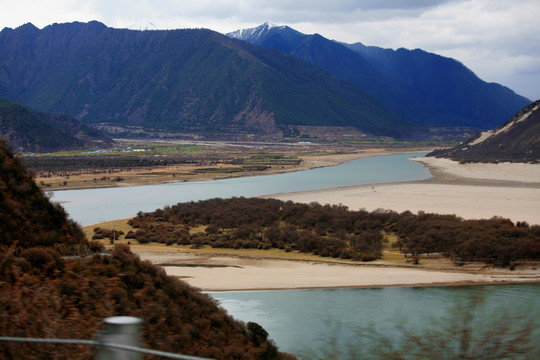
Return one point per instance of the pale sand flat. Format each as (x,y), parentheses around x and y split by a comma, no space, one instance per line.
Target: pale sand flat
(218,273)
(470,191)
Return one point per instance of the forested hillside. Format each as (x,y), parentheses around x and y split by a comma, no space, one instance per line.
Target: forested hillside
(46,295)
(191,81)
(29,220)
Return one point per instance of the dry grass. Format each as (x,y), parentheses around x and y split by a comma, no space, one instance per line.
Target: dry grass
(118,225)
(393,256)
(156,175)
(197,229)
(390,255)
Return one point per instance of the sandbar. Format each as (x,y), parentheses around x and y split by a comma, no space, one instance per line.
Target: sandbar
(224,273)
(470,191)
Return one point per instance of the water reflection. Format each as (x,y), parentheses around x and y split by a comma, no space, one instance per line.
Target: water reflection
(301,321)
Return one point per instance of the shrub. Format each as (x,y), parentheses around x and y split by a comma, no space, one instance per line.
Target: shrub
(96,246)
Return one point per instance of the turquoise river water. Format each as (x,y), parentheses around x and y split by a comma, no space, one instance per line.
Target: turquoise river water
(310,322)
(90,206)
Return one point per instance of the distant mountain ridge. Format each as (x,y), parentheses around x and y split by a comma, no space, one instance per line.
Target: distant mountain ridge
(420,87)
(199,83)
(30,131)
(189,81)
(517,140)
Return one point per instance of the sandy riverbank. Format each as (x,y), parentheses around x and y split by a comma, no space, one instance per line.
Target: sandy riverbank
(471,191)
(218,273)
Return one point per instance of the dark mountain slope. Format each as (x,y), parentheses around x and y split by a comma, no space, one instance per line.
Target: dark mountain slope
(28,218)
(189,80)
(338,60)
(517,140)
(420,87)
(30,131)
(445,85)
(46,295)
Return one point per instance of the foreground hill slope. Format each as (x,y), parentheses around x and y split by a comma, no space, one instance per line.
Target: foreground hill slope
(46,295)
(30,131)
(420,87)
(195,81)
(517,140)
(28,218)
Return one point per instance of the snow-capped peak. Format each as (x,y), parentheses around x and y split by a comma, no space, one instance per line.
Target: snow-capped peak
(252,34)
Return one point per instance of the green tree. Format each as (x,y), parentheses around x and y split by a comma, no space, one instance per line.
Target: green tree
(257,333)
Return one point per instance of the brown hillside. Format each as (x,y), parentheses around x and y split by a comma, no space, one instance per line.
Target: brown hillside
(28,218)
(45,295)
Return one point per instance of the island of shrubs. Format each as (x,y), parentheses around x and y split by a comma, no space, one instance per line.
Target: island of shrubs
(335,231)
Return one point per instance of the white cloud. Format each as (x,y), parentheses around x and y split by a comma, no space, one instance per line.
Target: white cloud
(498,39)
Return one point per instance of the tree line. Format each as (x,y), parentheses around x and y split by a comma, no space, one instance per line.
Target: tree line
(335,231)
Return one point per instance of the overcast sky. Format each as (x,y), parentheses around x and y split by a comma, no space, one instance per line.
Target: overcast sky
(498,39)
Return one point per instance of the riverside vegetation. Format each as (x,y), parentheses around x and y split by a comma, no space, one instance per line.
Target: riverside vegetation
(151,162)
(333,231)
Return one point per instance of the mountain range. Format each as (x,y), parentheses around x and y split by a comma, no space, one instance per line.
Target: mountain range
(420,87)
(517,140)
(29,131)
(269,82)
(191,81)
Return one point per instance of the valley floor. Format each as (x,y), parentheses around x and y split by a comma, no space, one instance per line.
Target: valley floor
(469,191)
(203,168)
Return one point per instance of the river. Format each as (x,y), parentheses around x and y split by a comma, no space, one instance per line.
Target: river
(309,323)
(90,206)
